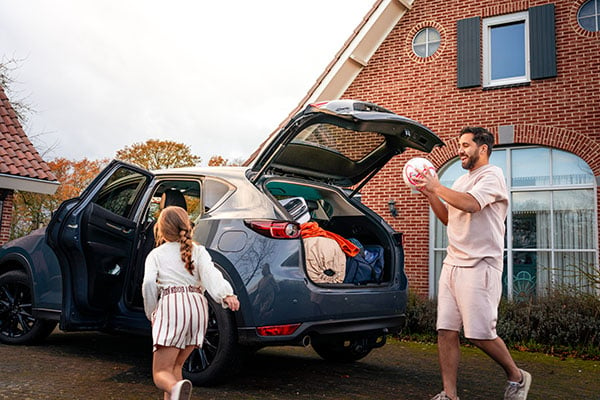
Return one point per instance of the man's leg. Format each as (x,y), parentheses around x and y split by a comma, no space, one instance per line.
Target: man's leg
(449,356)
(498,351)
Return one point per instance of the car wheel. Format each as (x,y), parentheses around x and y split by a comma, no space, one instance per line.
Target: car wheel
(344,349)
(219,356)
(17,323)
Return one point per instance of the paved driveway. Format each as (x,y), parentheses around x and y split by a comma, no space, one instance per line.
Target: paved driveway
(99,366)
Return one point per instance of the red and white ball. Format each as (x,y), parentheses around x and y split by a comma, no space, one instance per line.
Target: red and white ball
(412,169)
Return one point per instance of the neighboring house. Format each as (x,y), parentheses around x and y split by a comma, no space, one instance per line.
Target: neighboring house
(526,70)
(21,167)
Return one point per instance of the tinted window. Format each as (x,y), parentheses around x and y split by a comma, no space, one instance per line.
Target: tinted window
(120,191)
(351,144)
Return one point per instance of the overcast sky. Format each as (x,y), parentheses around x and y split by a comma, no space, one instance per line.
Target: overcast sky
(218,76)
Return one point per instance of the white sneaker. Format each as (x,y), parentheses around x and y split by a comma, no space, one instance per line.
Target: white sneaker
(182,390)
(518,391)
(442,396)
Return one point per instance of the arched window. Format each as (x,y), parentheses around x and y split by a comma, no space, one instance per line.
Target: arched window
(551,236)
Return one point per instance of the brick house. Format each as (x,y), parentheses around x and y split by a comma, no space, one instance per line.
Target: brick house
(21,166)
(526,70)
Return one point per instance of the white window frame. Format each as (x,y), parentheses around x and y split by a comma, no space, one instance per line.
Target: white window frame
(428,42)
(488,24)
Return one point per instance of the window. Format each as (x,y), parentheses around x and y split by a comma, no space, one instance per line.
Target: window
(588,15)
(517,48)
(119,193)
(506,50)
(426,42)
(551,225)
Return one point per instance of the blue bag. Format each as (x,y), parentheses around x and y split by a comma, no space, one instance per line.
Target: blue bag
(365,267)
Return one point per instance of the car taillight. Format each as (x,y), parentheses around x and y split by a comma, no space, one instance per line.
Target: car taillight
(274,229)
(277,330)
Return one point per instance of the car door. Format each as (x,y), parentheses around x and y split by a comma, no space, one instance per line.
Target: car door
(95,237)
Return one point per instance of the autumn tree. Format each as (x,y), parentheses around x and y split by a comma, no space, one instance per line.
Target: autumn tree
(218,161)
(159,154)
(32,210)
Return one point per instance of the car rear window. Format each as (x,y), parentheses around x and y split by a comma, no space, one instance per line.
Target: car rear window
(351,144)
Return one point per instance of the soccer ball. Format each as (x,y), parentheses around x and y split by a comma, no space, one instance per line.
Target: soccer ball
(412,169)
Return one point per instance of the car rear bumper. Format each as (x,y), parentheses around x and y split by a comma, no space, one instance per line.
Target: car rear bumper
(349,328)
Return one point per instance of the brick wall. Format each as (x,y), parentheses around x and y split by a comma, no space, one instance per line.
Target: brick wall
(6,207)
(561,112)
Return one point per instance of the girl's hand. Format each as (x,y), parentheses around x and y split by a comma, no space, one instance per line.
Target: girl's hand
(232,302)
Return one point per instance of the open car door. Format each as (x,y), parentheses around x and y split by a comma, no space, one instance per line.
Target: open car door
(94,237)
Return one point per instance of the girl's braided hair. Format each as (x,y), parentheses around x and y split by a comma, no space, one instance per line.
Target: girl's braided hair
(174,225)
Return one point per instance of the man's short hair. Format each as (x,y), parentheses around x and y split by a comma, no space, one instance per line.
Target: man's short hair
(481,136)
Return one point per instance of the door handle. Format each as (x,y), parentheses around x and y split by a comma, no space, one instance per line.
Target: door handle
(122,229)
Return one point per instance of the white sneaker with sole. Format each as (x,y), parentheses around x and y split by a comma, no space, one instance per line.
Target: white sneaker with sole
(518,391)
(182,390)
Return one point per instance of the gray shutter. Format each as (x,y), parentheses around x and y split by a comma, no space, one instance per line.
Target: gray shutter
(542,41)
(468,51)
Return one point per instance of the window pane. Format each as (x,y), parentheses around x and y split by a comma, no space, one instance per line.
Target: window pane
(498,158)
(587,9)
(420,50)
(451,173)
(119,192)
(530,167)
(438,260)
(421,37)
(576,271)
(441,235)
(507,51)
(531,220)
(568,169)
(434,35)
(524,275)
(573,217)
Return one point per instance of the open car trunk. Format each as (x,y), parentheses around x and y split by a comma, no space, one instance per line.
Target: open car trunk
(334,212)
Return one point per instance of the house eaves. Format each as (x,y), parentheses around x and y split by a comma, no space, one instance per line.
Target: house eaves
(351,59)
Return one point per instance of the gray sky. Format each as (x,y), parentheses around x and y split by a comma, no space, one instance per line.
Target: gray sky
(218,76)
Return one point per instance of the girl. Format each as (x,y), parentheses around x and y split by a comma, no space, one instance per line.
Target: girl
(176,275)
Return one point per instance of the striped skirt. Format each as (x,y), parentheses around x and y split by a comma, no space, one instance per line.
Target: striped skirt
(181,318)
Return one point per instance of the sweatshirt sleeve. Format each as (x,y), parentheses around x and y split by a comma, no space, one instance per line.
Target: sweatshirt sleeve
(149,285)
(211,278)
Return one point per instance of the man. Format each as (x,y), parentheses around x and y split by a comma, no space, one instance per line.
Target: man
(470,283)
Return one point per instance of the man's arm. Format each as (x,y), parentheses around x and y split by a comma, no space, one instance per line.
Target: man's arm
(431,187)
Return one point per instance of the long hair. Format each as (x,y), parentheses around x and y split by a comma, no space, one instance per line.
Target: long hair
(174,225)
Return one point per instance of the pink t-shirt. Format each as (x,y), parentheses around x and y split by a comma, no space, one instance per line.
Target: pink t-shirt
(473,237)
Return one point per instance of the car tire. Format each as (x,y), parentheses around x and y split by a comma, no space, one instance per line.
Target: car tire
(17,323)
(219,356)
(341,349)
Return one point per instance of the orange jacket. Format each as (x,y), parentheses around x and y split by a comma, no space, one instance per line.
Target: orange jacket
(312,229)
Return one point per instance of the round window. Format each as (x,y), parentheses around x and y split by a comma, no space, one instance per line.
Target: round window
(426,42)
(588,15)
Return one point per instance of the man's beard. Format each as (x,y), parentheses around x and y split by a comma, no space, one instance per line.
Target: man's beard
(471,161)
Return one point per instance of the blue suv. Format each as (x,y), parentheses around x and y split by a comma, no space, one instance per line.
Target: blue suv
(84,270)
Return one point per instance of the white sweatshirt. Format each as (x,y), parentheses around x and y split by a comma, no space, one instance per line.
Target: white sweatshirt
(164,268)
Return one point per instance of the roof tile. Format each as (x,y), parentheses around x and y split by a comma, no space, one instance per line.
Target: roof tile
(18,156)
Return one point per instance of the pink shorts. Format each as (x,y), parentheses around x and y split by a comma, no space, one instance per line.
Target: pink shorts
(180,319)
(469,297)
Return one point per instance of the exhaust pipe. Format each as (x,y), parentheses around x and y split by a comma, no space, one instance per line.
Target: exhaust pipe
(305,341)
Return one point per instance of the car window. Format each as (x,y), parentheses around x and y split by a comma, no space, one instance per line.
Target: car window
(120,192)
(215,191)
(189,190)
(351,144)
